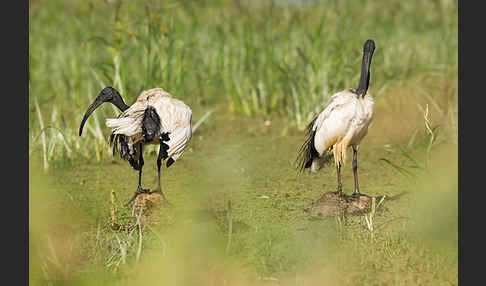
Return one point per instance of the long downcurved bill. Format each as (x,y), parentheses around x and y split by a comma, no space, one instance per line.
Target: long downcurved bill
(365,73)
(96,103)
(364,81)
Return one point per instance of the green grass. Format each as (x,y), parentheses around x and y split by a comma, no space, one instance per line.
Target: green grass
(248,63)
(271,238)
(266,61)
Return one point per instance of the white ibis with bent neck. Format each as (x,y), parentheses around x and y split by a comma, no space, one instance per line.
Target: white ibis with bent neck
(155,118)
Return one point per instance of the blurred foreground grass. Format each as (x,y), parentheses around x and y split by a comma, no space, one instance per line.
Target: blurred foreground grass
(272,241)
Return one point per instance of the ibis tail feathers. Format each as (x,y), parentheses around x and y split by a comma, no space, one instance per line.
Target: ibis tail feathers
(307,152)
(308,156)
(119,146)
(128,153)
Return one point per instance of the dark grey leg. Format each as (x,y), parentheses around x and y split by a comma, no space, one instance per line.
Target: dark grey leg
(355,171)
(162,155)
(140,190)
(340,187)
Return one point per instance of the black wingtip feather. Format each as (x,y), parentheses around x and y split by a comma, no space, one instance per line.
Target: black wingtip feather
(120,146)
(114,142)
(307,151)
(170,161)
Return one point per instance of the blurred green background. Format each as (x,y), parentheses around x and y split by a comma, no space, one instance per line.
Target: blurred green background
(263,69)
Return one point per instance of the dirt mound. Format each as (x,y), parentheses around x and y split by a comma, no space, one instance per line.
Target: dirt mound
(147,203)
(147,206)
(332,204)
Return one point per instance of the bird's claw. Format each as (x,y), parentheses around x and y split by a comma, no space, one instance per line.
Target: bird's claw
(139,191)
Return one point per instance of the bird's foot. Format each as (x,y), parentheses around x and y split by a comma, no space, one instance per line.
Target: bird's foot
(139,191)
(356,194)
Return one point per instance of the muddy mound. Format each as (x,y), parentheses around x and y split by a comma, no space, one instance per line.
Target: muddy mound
(333,203)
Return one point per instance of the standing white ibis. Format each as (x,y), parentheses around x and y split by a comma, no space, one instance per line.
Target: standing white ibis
(343,123)
(155,118)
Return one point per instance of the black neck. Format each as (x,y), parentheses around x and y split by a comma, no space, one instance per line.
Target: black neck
(118,101)
(122,106)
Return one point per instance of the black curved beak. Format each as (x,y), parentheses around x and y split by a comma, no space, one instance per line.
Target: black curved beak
(365,70)
(96,103)
(108,94)
(368,49)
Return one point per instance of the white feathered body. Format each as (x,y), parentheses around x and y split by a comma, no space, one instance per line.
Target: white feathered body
(343,123)
(175,118)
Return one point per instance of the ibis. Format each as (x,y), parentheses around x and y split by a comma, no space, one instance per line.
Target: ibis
(156,117)
(343,123)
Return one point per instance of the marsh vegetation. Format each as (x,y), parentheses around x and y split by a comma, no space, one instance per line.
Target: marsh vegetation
(263,70)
